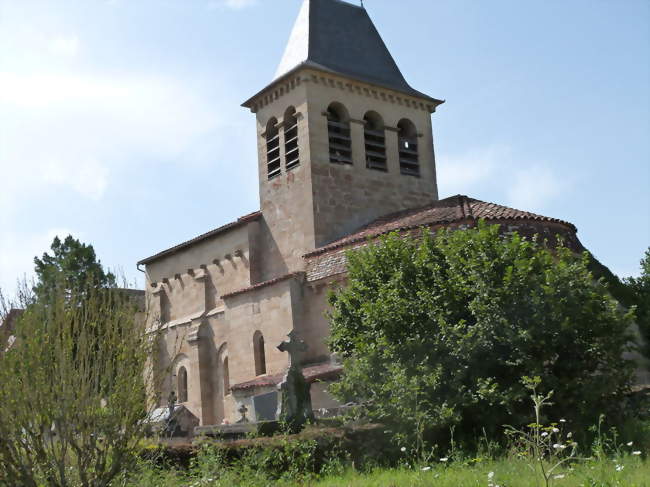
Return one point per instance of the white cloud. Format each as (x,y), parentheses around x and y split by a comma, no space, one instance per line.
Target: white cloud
(232,4)
(71,130)
(534,187)
(64,46)
(460,173)
(501,174)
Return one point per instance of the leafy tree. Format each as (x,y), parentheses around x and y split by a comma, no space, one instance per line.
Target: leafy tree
(75,389)
(437,332)
(72,265)
(640,288)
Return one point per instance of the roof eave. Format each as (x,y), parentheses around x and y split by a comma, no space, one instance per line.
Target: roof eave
(310,65)
(217,231)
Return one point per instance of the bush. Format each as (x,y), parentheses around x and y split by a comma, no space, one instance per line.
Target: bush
(75,384)
(437,332)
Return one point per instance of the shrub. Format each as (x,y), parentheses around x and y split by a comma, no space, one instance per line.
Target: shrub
(437,332)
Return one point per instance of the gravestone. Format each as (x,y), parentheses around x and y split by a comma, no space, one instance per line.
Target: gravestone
(295,406)
(266,406)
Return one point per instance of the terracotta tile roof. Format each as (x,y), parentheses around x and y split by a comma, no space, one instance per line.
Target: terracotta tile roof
(240,221)
(455,209)
(263,284)
(314,373)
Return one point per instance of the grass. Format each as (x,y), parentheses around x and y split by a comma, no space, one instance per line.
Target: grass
(628,471)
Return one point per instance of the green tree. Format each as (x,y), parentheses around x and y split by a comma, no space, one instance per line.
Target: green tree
(72,265)
(437,332)
(75,389)
(640,288)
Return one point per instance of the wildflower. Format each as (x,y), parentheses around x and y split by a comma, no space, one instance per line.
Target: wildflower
(570,435)
(555,430)
(444,459)
(563,421)
(636,453)
(630,443)
(490,475)
(558,477)
(557,446)
(545,433)
(619,467)
(403,449)
(426,469)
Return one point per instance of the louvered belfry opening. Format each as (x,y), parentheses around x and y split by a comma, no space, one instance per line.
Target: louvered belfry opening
(409,160)
(291,150)
(338,128)
(274,167)
(375,141)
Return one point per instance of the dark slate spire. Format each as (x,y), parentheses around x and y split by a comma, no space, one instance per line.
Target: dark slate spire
(337,36)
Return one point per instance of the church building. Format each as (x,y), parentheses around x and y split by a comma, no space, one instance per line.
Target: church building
(345,154)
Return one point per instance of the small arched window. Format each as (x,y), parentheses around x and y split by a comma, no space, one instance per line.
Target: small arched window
(338,129)
(182,384)
(291,150)
(375,140)
(226,377)
(259,353)
(409,161)
(273,148)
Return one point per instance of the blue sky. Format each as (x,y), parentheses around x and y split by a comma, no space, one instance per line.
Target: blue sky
(118,117)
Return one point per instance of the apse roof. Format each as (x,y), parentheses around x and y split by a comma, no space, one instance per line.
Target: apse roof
(339,37)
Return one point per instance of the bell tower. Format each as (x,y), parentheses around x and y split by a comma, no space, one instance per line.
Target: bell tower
(342,138)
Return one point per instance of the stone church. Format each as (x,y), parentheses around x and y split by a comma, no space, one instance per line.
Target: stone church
(345,154)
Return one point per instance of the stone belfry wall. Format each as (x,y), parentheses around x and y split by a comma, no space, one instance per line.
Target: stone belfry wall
(336,58)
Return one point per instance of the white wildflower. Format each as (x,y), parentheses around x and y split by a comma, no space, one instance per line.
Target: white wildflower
(570,435)
(403,449)
(490,475)
(557,446)
(444,459)
(558,477)
(636,453)
(563,421)
(619,468)
(555,430)
(545,433)
(425,469)
(630,443)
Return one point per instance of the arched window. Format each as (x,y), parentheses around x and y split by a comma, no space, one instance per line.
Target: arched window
(338,128)
(409,161)
(375,140)
(226,377)
(291,151)
(259,353)
(273,148)
(182,384)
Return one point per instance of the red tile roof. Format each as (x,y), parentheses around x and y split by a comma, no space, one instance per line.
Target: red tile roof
(314,373)
(263,284)
(455,209)
(240,221)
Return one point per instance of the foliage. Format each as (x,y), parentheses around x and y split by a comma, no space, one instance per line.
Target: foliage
(546,448)
(73,401)
(72,266)
(437,332)
(640,288)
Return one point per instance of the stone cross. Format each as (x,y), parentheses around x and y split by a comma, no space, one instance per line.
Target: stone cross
(243,410)
(294,346)
(295,406)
